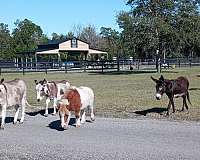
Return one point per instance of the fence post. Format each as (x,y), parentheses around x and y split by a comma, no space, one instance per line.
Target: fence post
(160,67)
(138,64)
(0,70)
(23,69)
(45,68)
(84,65)
(102,66)
(65,67)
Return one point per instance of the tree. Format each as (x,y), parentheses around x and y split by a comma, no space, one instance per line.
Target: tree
(153,28)
(70,35)
(90,35)
(57,37)
(77,30)
(188,27)
(5,42)
(112,39)
(27,36)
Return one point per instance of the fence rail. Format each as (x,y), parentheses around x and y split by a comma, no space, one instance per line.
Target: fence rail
(101,66)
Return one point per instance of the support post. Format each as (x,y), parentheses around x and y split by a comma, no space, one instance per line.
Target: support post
(102,66)
(65,67)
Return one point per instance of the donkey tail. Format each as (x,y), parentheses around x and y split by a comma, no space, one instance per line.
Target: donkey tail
(29,104)
(188,97)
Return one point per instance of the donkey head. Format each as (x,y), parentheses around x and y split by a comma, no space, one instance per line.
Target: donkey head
(160,86)
(41,88)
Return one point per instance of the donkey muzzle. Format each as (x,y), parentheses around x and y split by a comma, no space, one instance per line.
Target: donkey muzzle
(158,96)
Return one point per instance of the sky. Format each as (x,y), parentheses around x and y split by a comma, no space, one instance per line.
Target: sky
(60,16)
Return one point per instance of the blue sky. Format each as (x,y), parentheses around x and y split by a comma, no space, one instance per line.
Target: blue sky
(61,15)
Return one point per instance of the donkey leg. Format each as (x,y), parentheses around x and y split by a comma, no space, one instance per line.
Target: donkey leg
(83,119)
(173,107)
(63,120)
(47,106)
(16,114)
(3,116)
(54,106)
(168,107)
(92,113)
(78,119)
(23,110)
(67,119)
(185,102)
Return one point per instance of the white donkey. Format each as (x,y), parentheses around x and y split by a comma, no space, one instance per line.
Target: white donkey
(51,91)
(77,100)
(12,93)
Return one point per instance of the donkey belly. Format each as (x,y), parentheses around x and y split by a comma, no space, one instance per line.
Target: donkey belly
(179,95)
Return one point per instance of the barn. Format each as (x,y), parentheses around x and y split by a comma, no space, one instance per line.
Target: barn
(70,47)
(73,48)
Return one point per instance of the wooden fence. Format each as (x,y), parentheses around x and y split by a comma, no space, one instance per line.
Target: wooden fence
(94,66)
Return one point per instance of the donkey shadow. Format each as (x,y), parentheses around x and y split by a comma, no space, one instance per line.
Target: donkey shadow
(56,124)
(41,112)
(9,120)
(151,110)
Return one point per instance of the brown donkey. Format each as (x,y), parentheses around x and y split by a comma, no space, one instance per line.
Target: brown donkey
(173,88)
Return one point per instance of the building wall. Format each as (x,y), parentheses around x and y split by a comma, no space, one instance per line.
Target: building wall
(67,46)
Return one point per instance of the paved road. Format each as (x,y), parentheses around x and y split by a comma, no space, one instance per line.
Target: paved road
(106,138)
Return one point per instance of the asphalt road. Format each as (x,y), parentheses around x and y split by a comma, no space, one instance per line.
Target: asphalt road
(40,138)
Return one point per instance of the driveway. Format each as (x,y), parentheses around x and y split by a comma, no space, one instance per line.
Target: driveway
(41,138)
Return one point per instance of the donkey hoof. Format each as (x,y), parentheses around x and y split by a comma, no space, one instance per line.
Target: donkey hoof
(92,119)
(83,121)
(65,127)
(14,123)
(1,127)
(78,126)
(20,122)
(46,115)
(53,114)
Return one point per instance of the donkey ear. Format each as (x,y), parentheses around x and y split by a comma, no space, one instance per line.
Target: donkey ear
(155,80)
(35,81)
(44,81)
(2,80)
(161,78)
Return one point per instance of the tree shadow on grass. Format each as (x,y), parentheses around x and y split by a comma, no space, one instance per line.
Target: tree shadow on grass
(169,71)
(122,72)
(127,72)
(41,112)
(194,89)
(56,124)
(151,110)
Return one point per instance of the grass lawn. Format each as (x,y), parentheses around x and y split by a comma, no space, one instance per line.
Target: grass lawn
(122,94)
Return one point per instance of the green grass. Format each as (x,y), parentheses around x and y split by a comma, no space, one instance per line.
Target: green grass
(119,95)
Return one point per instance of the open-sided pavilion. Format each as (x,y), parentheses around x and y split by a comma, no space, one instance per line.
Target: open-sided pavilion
(73,47)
